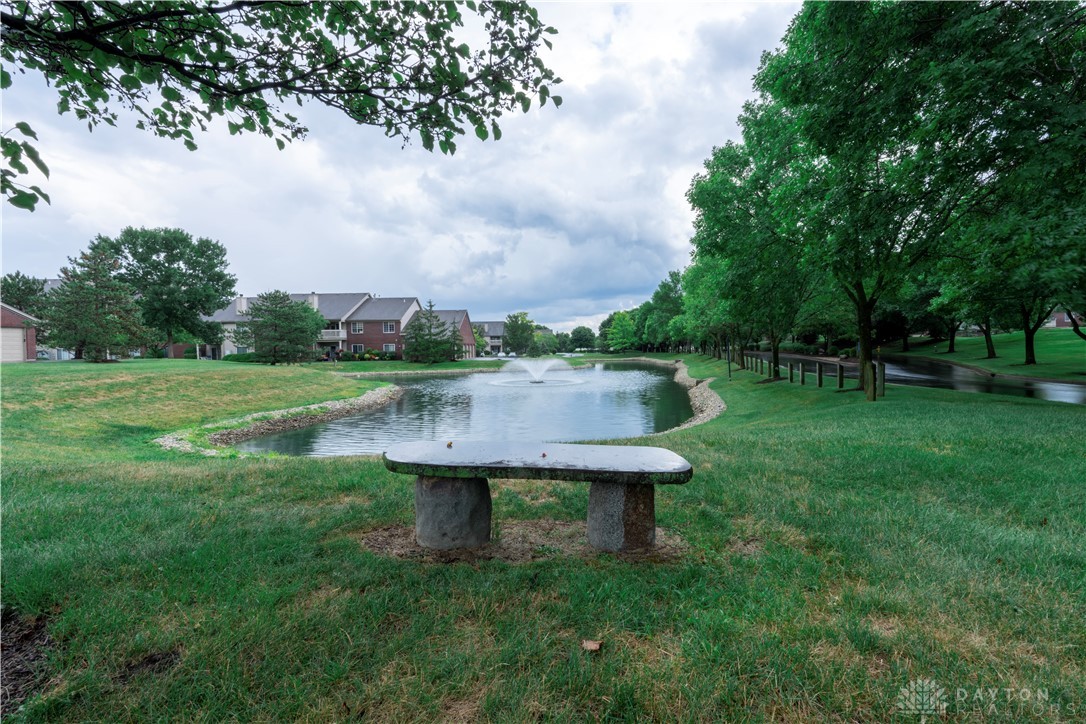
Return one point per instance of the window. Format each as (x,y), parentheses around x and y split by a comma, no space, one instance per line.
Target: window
(390,348)
(390,328)
(332,325)
(356,328)
(358,348)
(243,350)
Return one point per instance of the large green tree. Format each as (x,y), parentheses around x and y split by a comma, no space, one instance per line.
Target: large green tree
(280,329)
(405,67)
(519,332)
(622,334)
(582,338)
(26,294)
(178,279)
(93,312)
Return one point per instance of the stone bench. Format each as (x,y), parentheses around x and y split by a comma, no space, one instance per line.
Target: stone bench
(452,495)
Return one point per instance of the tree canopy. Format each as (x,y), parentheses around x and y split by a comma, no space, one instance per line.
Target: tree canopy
(26,294)
(519,333)
(93,312)
(177,278)
(401,66)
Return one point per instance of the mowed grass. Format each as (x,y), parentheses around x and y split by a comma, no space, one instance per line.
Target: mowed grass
(1061,354)
(837,551)
(399,366)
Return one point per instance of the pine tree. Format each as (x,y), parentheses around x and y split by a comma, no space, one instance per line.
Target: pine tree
(426,337)
(93,313)
(280,329)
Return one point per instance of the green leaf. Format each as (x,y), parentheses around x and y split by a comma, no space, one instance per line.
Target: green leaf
(463,50)
(557,100)
(131,82)
(24,200)
(26,130)
(190,145)
(5,79)
(44,196)
(481,132)
(32,154)
(280,144)
(497,131)
(171,94)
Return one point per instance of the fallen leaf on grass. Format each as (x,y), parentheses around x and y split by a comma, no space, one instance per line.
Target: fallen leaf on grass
(590,645)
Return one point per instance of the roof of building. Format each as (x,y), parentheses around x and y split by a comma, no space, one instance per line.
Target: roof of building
(334,306)
(379,309)
(452,317)
(20,312)
(492,329)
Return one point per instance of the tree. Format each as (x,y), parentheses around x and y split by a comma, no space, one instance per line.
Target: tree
(280,330)
(582,338)
(666,305)
(427,338)
(519,330)
(565,341)
(26,294)
(401,66)
(622,334)
(93,312)
(482,344)
(178,279)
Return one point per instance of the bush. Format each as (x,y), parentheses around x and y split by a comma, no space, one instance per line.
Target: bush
(247,357)
(832,352)
(764,347)
(189,353)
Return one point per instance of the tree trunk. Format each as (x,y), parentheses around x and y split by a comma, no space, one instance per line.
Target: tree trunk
(1074,323)
(1030,325)
(989,343)
(952,334)
(905,343)
(866,327)
(169,344)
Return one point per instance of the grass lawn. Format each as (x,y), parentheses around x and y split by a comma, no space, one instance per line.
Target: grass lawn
(836,551)
(1061,354)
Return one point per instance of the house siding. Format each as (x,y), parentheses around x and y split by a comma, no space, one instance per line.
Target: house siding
(13,319)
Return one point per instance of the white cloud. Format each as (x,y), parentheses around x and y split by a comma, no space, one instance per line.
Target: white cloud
(575,213)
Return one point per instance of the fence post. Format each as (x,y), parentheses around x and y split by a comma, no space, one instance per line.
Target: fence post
(840,376)
(791,374)
(802,373)
(819,371)
(880,389)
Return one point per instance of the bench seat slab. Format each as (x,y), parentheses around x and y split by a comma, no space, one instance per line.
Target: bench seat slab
(627,464)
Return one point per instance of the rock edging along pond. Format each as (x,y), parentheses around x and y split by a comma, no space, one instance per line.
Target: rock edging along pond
(211,439)
(216,438)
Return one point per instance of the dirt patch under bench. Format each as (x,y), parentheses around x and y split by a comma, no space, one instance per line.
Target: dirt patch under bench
(515,541)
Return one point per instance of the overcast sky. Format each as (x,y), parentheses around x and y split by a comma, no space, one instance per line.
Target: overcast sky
(576,212)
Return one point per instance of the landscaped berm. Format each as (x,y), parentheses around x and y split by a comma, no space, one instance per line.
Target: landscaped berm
(831,559)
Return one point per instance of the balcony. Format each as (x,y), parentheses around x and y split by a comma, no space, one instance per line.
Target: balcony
(332,335)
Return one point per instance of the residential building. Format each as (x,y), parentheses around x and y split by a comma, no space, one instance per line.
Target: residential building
(1063,319)
(18,335)
(354,322)
(494,333)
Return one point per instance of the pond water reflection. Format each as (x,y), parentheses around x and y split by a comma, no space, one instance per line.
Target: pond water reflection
(606,401)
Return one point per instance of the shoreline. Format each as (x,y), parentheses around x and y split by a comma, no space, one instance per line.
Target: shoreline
(704,401)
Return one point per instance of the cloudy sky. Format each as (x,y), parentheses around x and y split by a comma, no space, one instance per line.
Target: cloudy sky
(576,212)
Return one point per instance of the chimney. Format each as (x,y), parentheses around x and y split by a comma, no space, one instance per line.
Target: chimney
(313,299)
(242,305)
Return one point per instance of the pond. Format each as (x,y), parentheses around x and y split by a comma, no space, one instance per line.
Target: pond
(603,401)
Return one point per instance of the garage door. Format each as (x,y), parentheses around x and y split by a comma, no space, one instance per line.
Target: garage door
(13,344)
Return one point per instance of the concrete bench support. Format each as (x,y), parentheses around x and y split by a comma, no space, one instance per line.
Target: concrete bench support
(452,495)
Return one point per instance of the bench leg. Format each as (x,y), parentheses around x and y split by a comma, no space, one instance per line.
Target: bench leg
(621,517)
(452,512)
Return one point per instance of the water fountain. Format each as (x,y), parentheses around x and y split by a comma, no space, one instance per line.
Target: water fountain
(534,372)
